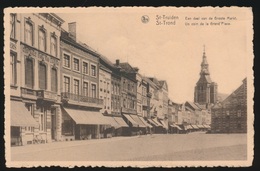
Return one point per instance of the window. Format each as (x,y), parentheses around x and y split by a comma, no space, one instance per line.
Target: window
(85,68)
(54,80)
(42,40)
(85,89)
(108,102)
(28,33)
(101,85)
(13,69)
(76,64)
(29,74)
(93,70)
(53,46)
(67,84)
(93,90)
(42,76)
(66,61)
(107,87)
(76,87)
(105,102)
(12,25)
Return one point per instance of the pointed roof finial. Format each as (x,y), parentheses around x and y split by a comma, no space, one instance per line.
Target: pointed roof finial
(204,49)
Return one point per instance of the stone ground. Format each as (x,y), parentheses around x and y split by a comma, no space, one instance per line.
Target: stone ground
(157,147)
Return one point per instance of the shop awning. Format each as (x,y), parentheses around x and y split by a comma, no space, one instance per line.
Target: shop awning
(112,122)
(206,126)
(152,122)
(175,126)
(158,123)
(20,116)
(164,124)
(195,127)
(86,117)
(137,120)
(147,124)
(120,121)
(130,119)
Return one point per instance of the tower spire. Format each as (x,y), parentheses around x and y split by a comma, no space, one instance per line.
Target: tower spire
(204,63)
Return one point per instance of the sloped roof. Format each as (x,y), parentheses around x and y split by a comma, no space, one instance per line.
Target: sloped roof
(127,67)
(150,82)
(240,88)
(65,37)
(194,106)
(155,81)
(204,79)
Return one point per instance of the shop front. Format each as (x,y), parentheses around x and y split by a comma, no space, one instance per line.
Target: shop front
(22,124)
(82,124)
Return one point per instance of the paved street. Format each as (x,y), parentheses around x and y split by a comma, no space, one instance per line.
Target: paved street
(194,146)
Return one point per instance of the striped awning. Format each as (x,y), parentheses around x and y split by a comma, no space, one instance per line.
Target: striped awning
(120,121)
(158,123)
(164,124)
(131,120)
(137,120)
(20,116)
(147,124)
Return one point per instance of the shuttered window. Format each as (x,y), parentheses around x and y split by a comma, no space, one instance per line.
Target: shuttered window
(42,40)
(42,76)
(54,80)
(53,46)
(29,33)
(76,87)
(67,84)
(85,89)
(29,75)
(13,69)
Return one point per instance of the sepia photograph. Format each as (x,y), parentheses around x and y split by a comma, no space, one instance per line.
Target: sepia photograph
(128,86)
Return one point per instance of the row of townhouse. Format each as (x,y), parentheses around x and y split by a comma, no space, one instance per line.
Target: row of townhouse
(187,117)
(61,89)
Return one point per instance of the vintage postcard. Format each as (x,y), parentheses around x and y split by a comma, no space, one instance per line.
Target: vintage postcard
(129,86)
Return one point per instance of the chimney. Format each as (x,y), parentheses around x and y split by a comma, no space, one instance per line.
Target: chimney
(72,30)
(117,62)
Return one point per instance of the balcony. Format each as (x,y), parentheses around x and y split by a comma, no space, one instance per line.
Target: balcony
(28,93)
(75,99)
(47,95)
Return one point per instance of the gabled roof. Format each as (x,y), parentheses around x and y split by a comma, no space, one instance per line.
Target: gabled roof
(155,81)
(234,93)
(194,106)
(162,83)
(150,82)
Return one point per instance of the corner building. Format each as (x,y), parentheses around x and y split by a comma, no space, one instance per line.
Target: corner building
(230,115)
(34,81)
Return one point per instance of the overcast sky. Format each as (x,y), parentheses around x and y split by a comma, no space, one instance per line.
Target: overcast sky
(172,53)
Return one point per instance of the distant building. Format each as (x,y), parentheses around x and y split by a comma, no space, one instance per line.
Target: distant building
(105,88)
(230,115)
(206,91)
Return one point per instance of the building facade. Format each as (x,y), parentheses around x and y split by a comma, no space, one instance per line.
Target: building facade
(206,91)
(230,115)
(35,66)
(81,105)
(105,88)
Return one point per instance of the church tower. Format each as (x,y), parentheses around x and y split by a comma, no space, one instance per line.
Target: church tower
(205,90)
